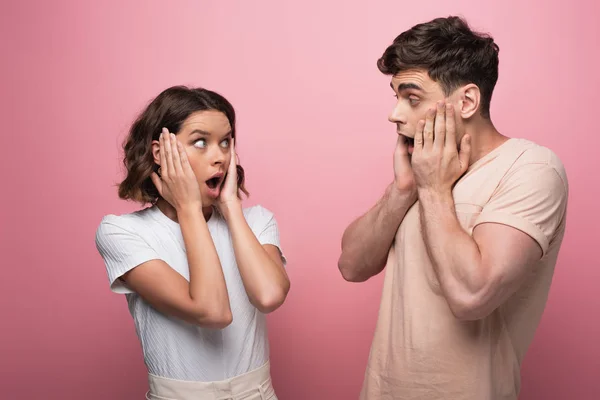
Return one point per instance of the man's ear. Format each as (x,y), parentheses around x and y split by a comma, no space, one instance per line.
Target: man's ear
(470,100)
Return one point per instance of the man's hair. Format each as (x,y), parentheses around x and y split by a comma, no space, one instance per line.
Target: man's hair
(451,53)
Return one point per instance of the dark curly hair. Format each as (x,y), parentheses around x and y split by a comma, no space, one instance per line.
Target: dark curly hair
(451,53)
(169,109)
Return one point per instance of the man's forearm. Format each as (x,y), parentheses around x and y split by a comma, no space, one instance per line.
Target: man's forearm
(367,241)
(455,255)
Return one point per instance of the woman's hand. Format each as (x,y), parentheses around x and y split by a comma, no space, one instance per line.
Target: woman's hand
(176,182)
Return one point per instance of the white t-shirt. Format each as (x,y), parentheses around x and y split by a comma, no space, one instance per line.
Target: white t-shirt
(174,348)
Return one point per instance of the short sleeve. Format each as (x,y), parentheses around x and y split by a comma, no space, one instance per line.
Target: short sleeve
(122,250)
(266,229)
(532,199)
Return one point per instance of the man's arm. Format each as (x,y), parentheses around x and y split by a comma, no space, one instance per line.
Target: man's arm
(367,241)
(477,274)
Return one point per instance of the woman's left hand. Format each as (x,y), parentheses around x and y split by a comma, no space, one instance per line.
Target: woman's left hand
(228,198)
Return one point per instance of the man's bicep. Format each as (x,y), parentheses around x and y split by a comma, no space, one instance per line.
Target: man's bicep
(532,201)
(508,255)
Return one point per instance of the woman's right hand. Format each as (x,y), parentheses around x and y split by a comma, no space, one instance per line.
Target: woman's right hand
(177,182)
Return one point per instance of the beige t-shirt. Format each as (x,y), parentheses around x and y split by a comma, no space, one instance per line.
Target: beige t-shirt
(420,350)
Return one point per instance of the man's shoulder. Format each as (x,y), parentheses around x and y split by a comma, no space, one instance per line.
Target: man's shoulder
(539,157)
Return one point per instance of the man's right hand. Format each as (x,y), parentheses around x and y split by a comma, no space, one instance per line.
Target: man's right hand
(364,254)
(404,178)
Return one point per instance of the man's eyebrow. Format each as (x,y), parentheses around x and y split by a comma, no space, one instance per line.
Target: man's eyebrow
(407,85)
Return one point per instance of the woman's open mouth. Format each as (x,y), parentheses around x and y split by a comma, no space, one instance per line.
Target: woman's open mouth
(214,184)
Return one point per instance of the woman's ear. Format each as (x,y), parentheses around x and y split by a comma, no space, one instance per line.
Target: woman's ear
(156,151)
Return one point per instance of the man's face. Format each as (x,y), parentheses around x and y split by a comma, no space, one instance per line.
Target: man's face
(416,93)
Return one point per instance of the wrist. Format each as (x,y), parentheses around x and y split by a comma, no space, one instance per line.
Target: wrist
(408,195)
(189,210)
(231,209)
(434,195)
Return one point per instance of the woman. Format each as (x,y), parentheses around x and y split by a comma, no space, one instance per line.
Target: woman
(199,271)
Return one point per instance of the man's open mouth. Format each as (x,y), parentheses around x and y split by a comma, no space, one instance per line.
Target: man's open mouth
(408,140)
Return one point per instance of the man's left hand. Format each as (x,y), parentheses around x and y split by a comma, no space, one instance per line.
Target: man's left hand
(436,160)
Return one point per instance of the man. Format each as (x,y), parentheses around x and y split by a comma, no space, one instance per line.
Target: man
(469,230)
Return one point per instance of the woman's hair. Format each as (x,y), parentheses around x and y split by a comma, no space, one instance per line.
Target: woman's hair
(169,110)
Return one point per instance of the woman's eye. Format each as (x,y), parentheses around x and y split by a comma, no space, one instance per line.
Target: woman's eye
(225,143)
(201,143)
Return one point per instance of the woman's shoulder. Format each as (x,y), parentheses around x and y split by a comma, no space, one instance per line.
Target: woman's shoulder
(130,222)
(257,212)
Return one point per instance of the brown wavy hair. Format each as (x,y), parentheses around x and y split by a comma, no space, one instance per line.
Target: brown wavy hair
(169,109)
(450,52)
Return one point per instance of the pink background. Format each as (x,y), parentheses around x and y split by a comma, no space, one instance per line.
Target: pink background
(317,147)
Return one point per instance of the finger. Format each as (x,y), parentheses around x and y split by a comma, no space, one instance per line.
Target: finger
(164,168)
(450,126)
(428,131)
(233,161)
(169,155)
(465,153)
(185,163)
(233,153)
(401,146)
(176,157)
(157,182)
(419,136)
(440,126)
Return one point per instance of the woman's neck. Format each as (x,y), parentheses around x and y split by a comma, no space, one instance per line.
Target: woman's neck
(167,209)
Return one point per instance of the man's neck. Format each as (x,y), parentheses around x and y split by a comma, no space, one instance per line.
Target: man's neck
(484,138)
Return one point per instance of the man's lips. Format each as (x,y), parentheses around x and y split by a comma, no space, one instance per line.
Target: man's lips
(407,139)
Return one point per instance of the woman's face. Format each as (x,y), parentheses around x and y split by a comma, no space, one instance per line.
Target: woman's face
(206,138)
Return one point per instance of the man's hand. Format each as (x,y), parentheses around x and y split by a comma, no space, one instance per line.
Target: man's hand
(436,161)
(404,178)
